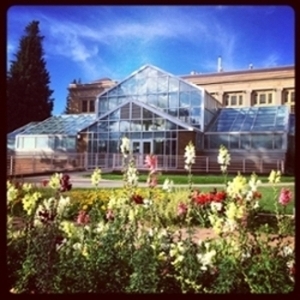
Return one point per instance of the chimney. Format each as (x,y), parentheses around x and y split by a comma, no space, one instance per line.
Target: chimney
(220,64)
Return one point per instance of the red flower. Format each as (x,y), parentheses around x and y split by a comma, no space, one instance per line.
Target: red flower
(65,183)
(137,199)
(285,196)
(256,195)
(45,182)
(220,196)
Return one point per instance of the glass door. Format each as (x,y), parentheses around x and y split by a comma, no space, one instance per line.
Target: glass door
(141,148)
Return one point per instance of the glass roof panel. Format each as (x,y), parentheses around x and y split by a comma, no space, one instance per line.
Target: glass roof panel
(252,119)
(20,130)
(63,124)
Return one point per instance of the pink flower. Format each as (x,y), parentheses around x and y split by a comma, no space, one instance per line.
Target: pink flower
(152,180)
(285,196)
(181,209)
(151,162)
(110,215)
(83,218)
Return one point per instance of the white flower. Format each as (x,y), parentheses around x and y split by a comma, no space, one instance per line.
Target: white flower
(189,155)
(96,177)
(168,185)
(147,203)
(132,177)
(206,259)
(77,246)
(254,182)
(62,204)
(216,206)
(287,251)
(256,205)
(125,146)
(223,158)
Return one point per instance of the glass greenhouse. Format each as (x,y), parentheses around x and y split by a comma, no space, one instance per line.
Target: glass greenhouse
(249,128)
(54,133)
(152,108)
(160,113)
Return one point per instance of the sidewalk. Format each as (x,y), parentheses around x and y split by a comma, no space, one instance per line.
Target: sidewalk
(78,181)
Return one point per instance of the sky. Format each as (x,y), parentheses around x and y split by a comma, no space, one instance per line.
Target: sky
(93,42)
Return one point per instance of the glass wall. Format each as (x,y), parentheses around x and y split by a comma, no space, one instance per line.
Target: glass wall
(136,123)
(45,142)
(246,141)
(249,128)
(165,92)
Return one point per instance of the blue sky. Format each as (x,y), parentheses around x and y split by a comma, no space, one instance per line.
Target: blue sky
(92,42)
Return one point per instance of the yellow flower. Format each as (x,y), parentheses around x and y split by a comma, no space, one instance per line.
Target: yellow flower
(238,187)
(274,176)
(84,207)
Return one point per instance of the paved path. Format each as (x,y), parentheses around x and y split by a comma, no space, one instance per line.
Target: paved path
(78,181)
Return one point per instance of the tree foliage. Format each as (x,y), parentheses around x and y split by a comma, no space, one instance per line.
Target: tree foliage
(28,92)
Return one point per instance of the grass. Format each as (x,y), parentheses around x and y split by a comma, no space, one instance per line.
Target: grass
(183,179)
(267,202)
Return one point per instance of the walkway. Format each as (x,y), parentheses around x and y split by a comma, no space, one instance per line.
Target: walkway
(78,181)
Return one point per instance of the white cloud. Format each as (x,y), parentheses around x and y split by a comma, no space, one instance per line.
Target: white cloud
(271,60)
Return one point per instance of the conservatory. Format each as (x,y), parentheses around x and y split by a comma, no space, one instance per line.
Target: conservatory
(52,144)
(157,111)
(160,113)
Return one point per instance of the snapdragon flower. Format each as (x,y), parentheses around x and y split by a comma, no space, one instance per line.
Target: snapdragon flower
(223,158)
(254,182)
(12,192)
(125,146)
(54,182)
(29,202)
(168,185)
(96,177)
(63,202)
(27,187)
(238,187)
(285,196)
(216,206)
(274,177)
(189,156)
(132,178)
(206,259)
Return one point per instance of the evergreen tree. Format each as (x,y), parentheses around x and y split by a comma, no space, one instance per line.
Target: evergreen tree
(28,93)
(68,109)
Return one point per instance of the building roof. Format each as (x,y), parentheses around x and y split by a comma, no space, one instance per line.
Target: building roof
(251,119)
(69,124)
(248,71)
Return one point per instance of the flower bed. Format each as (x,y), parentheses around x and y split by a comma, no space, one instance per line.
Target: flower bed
(149,241)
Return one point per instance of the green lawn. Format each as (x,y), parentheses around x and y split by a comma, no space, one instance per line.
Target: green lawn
(197,179)
(267,202)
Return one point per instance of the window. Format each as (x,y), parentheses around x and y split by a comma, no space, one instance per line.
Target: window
(92,106)
(270,98)
(234,99)
(289,99)
(84,106)
(262,98)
